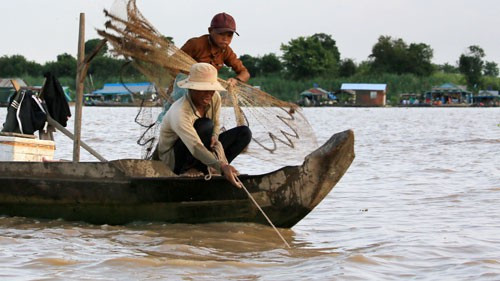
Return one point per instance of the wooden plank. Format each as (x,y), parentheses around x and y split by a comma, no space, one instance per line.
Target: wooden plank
(15,85)
(10,134)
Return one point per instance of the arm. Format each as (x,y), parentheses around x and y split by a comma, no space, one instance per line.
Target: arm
(236,64)
(190,138)
(230,173)
(189,47)
(216,101)
(185,131)
(243,76)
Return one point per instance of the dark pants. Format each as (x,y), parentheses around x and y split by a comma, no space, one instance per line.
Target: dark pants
(233,141)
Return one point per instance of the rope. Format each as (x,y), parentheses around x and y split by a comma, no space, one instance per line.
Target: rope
(209,176)
(262,211)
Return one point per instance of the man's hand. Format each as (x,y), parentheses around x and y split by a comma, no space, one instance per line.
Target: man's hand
(232,82)
(230,173)
(213,142)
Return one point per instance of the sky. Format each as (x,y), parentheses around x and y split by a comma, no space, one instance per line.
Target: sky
(41,30)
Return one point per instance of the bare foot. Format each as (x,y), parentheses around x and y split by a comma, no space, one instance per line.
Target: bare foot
(192,173)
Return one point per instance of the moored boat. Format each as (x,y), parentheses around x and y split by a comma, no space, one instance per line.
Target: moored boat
(123,191)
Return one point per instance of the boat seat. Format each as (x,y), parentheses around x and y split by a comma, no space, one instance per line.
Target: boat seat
(17,135)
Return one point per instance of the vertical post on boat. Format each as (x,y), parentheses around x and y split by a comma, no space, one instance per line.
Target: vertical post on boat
(80,76)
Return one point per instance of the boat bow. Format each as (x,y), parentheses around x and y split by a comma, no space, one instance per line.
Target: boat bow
(294,191)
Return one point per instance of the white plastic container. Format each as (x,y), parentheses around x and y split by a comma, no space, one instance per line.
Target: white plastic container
(25,149)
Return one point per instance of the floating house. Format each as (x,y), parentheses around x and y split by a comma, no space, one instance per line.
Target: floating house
(121,94)
(487,98)
(345,98)
(313,97)
(367,94)
(7,90)
(410,99)
(448,94)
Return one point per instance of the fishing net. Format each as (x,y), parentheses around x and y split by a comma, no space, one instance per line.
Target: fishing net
(281,133)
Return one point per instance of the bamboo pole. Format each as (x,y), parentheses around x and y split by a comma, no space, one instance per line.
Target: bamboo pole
(71,136)
(79,89)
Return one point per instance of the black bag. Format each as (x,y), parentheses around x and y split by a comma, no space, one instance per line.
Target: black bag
(26,114)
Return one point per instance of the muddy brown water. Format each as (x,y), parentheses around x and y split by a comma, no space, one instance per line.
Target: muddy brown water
(421,201)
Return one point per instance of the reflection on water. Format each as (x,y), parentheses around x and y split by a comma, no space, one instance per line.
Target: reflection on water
(420,201)
(221,249)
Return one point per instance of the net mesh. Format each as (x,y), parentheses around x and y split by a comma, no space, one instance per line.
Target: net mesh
(281,132)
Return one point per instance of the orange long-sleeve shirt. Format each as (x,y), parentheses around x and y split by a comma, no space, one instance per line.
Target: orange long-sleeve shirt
(203,50)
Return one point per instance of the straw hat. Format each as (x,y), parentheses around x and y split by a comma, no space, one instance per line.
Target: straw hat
(202,77)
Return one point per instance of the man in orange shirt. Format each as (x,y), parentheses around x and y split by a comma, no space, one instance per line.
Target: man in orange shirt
(213,48)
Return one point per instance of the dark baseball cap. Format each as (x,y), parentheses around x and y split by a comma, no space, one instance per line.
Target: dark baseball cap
(223,22)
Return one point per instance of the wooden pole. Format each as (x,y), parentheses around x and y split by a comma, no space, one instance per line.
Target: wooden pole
(58,126)
(79,89)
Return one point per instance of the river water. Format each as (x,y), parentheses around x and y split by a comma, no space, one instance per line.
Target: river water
(420,201)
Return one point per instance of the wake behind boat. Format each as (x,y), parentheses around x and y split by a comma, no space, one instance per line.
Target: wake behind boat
(123,191)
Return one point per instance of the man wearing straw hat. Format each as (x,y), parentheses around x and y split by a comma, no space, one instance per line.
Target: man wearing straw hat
(189,136)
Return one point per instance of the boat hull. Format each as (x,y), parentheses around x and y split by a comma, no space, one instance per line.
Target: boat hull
(123,191)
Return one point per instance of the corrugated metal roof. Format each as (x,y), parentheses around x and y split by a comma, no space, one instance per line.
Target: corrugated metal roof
(5,82)
(488,93)
(314,91)
(449,87)
(363,86)
(126,88)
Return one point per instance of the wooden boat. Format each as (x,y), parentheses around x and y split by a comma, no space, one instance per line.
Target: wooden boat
(123,191)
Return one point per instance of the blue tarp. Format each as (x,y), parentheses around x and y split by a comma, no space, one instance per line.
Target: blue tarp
(125,89)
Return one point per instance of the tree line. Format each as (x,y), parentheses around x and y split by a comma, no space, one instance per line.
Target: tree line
(306,58)
(317,56)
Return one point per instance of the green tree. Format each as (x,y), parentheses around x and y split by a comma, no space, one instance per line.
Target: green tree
(364,67)
(270,63)
(471,66)
(491,69)
(226,72)
(34,69)
(347,68)
(251,63)
(65,66)
(419,59)
(306,57)
(106,67)
(447,68)
(91,44)
(395,56)
(389,55)
(328,43)
(18,65)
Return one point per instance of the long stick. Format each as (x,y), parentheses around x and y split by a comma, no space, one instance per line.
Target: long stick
(71,136)
(262,211)
(79,89)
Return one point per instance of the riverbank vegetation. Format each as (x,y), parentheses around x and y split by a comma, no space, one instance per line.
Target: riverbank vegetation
(305,61)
